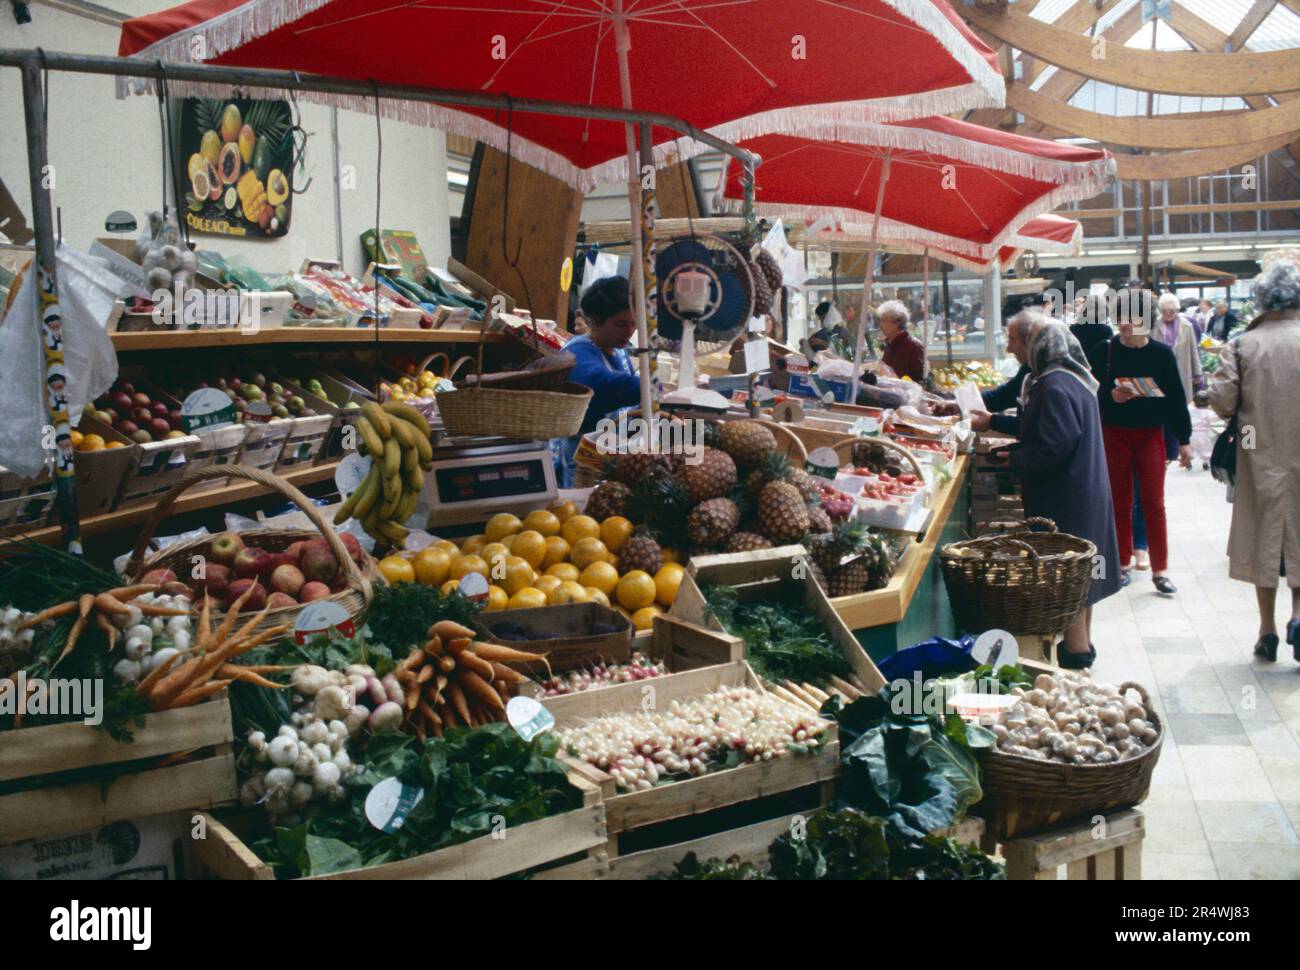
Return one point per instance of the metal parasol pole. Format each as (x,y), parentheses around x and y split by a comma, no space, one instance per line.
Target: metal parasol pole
(47,295)
(863,316)
(649,213)
(623,43)
(925,304)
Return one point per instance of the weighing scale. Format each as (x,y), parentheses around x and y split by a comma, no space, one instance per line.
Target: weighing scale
(474,478)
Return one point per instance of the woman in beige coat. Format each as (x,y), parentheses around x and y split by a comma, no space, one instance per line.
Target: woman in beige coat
(1175,331)
(1256,381)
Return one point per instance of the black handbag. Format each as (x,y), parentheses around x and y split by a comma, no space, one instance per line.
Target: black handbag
(1223,459)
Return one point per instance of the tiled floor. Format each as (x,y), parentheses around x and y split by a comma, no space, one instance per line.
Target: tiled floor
(1225,798)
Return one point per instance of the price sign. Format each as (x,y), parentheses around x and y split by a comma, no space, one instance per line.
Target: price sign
(390,802)
(528,717)
(322,616)
(208,407)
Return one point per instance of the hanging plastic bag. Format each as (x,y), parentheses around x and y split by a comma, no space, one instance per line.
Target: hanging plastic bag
(787,257)
(87,291)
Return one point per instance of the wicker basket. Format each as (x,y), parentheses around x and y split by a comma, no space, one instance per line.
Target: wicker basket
(1022,582)
(1023,794)
(787,442)
(534,415)
(543,374)
(177,557)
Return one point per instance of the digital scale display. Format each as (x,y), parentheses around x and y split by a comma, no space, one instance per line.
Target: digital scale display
(509,479)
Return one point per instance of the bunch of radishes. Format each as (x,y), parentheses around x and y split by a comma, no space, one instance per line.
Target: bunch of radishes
(150,642)
(298,766)
(355,696)
(603,675)
(642,749)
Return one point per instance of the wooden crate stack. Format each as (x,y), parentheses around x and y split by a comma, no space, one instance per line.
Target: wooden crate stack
(1105,848)
(994,492)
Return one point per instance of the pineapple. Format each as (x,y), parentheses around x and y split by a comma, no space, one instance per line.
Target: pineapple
(713,476)
(772,467)
(762,291)
(747,542)
(849,579)
(661,504)
(713,522)
(747,442)
(633,468)
(766,264)
(801,480)
(782,514)
(641,551)
(829,549)
(609,498)
(818,520)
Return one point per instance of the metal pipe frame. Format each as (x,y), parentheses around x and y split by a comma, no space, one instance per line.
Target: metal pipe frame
(295,81)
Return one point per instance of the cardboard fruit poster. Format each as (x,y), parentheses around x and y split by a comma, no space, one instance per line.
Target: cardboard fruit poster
(238,158)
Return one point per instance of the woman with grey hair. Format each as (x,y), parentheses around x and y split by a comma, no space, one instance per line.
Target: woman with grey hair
(903,353)
(1256,382)
(1176,332)
(1060,461)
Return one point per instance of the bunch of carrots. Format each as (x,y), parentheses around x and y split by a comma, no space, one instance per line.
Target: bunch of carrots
(455,681)
(210,666)
(103,608)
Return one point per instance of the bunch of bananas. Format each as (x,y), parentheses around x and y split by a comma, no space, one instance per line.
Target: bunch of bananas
(396,437)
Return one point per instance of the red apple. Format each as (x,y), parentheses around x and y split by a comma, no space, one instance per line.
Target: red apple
(295,550)
(127,428)
(141,399)
(158,576)
(216,579)
(278,601)
(352,545)
(319,563)
(159,427)
(275,560)
(287,578)
(313,591)
(226,547)
(122,402)
(254,602)
(142,416)
(159,409)
(250,562)
(174,419)
(126,387)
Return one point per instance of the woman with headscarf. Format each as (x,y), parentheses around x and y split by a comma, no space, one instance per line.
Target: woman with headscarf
(1255,381)
(1060,461)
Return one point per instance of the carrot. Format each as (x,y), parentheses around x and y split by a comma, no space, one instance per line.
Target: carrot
(228,623)
(477,664)
(429,713)
(85,603)
(176,682)
(157,674)
(205,622)
(267,668)
(482,690)
(450,630)
(434,647)
(458,703)
(270,633)
(425,674)
(499,654)
(446,664)
(449,717)
(501,687)
(20,710)
(236,672)
(412,696)
(458,646)
(437,729)
(53,613)
(845,688)
(125,593)
(73,636)
(509,675)
(110,631)
(412,658)
(196,694)
(419,731)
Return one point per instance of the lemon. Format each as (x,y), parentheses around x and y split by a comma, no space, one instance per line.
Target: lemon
(473,544)
(395,569)
(527,598)
(546,583)
(566,571)
(562,509)
(465,565)
(587,551)
(542,521)
(644,618)
(501,525)
(530,545)
(614,532)
(557,550)
(518,575)
(497,599)
(449,587)
(601,575)
(432,566)
(597,596)
(579,527)
(636,590)
(667,580)
(568,592)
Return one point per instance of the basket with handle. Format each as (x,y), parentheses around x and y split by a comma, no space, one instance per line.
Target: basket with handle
(359,582)
(844,451)
(1024,794)
(1023,582)
(787,442)
(533,414)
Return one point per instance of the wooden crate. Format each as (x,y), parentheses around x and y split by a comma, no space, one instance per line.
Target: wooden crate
(25,503)
(1102,850)
(573,647)
(632,810)
(264,443)
(133,783)
(306,441)
(330,432)
(159,466)
(758,574)
(221,853)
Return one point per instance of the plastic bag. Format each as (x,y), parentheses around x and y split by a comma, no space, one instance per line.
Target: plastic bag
(87,291)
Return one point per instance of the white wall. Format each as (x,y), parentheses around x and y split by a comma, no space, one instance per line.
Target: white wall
(107,155)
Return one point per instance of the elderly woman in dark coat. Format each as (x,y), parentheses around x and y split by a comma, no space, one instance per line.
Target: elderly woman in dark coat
(1061,461)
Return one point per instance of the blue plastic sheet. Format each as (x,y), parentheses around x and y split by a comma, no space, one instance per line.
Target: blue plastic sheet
(936,657)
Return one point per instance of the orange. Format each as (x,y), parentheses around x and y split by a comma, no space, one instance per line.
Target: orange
(473,544)
(530,545)
(644,618)
(597,596)
(670,554)
(76,437)
(579,527)
(601,575)
(432,566)
(547,523)
(114,444)
(557,550)
(614,532)
(667,580)
(497,598)
(527,598)
(568,592)
(636,590)
(493,550)
(395,569)
(465,565)
(509,541)
(587,551)
(518,575)
(562,509)
(447,546)
(546,583)
(92,442)
(449,587)
(501,525)
(565,571)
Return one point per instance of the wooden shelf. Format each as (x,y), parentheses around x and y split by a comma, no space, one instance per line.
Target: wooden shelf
(179,340)
(189,502)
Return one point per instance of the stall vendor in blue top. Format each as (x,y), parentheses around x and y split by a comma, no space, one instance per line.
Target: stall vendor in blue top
(601,363)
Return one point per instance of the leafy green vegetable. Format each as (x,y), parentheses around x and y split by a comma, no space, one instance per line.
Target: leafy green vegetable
(714,870)
(782,641)
(475,780)
(1008,676)
(401,615)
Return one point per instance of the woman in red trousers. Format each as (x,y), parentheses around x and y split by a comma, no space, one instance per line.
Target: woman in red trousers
(1141,394)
